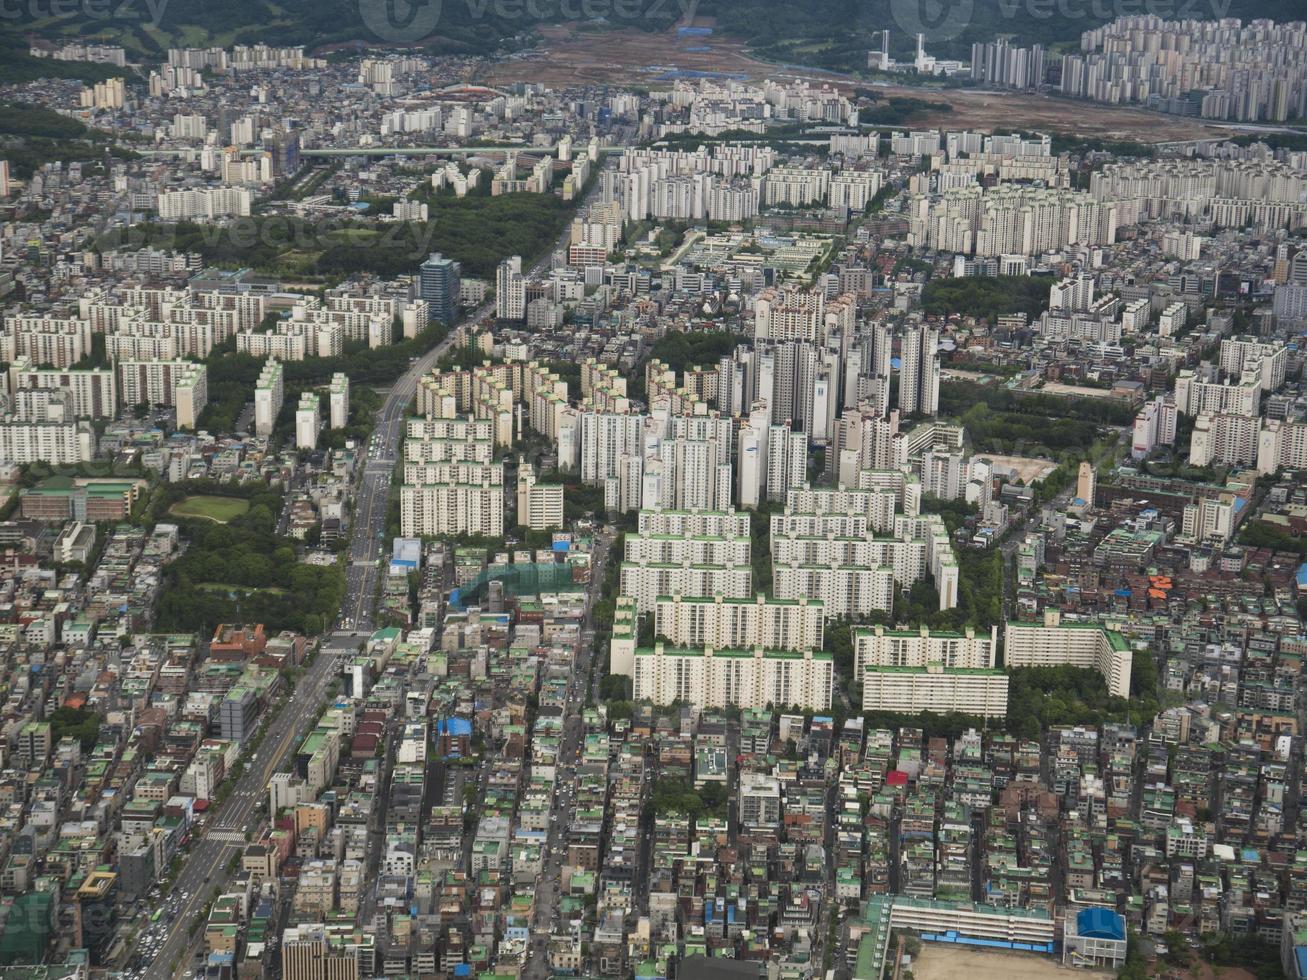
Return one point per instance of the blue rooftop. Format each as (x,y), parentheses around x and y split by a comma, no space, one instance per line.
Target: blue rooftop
(1100,923)
(455,727)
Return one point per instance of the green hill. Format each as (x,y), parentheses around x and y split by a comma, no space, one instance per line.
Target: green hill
(833,34)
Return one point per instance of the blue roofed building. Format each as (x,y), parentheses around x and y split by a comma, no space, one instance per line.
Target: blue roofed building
(1293,945)
(453,738)
(1094,937)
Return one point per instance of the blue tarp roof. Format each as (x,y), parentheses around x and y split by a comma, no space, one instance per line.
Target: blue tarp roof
(1300,957)
(454,726)
(1100,923)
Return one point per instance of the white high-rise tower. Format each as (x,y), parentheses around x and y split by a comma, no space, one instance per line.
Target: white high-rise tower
(919,371)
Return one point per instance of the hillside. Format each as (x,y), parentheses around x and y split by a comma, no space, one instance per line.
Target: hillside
(834,34)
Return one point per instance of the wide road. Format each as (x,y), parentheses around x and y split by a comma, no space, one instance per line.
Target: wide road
(205,869)
(367,542)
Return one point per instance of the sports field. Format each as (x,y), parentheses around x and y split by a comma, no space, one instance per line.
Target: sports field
(942,962)
(210,507)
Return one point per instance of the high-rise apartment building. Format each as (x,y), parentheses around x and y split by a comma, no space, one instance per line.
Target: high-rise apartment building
(269,391)
(539,505)
(917,670)
(338,399)
(510,290)
(438,284)
(919,371)
(181,385)
(308,421)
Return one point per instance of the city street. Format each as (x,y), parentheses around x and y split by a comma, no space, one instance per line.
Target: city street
(548,893)
(204,873)
(205,870)
(367,544)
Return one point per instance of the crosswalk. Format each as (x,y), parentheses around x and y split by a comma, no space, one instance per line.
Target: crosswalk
(227,836)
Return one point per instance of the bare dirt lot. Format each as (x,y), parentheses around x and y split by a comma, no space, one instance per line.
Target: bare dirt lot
(573,55)
(937,962)
(1204,971)
(987,111)
(1030,469)
(1076,391)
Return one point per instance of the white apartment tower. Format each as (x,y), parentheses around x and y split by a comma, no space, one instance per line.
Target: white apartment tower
(919,371)
(787,460)
(338,398)
(308,421)
(510,290)
(269,391)
(788,313)
(539,505)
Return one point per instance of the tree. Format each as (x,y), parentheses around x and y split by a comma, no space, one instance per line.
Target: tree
(671,794)
(239,571)
(1177,950)
(81,724)
(615,687)
(986,296)
(680,349)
